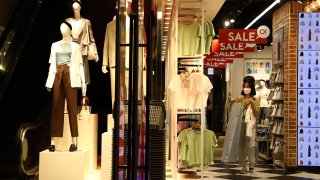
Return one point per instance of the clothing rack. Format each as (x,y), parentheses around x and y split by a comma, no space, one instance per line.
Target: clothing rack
(182,9)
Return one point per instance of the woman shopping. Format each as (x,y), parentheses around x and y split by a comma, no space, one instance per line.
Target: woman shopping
(243,127)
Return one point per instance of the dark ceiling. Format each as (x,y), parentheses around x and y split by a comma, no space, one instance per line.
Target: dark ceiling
(244,11)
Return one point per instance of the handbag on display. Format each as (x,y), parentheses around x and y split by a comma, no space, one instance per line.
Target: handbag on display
(85,109)
(91,53)
(92,49)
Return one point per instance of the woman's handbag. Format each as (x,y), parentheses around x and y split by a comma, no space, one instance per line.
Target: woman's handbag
(85,109)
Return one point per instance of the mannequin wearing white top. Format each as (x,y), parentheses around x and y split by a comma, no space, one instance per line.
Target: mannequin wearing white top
(263,94)
(66,65)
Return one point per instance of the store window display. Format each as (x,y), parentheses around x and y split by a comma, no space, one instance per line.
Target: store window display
(109,56)
(66,75)
(240,136)
(262,94)
(83,35)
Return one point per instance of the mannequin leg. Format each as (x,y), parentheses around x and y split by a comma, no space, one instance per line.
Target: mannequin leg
(112,81)
(71,96)
(57,113)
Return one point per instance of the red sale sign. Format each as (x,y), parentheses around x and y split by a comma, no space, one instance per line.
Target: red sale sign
(212,64)
(243,36)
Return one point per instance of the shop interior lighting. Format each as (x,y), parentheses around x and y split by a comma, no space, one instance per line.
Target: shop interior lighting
(1,68)
(299,1)
(263,13)
(232,20)
(226,23)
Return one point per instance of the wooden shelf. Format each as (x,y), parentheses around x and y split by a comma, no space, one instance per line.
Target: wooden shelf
(263,139)
(189,113)
(263,156)
(279,163)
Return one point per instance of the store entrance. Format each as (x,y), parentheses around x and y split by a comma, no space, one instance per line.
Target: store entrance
(216,100)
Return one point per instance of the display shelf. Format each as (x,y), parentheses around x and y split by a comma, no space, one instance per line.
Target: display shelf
(276,100)
(190,57)
(189,113)
(265,157)
(277,83)
(263,139)
(277,63)
(279,163)
(280,117)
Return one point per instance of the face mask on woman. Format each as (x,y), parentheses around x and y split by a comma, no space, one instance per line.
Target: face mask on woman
(246,90)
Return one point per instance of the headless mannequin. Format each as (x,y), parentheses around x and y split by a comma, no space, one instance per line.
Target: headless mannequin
(66,38)
(264,103)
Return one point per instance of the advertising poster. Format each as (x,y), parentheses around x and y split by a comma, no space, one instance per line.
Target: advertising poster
(259,69)
(308,115)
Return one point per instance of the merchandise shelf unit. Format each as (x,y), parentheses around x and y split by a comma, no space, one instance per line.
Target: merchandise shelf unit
(276,110)
(182,9)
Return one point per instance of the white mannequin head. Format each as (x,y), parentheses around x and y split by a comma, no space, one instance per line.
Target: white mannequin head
(65,29)
(262,83)
(76,6)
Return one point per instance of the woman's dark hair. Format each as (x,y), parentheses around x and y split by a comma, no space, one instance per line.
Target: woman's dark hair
(66,23)
(250,80)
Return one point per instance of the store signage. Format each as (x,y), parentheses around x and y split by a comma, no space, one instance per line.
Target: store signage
(216,53)
(244,36)
(242,40)
(210,61)
(214,64)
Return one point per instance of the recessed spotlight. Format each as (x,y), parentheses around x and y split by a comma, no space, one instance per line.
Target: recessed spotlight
(226,23)
(232,20)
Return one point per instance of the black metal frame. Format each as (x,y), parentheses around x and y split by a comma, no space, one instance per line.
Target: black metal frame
(132,159)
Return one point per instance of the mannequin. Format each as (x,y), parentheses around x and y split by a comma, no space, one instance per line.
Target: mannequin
(263,94)
(109,53)
(83,35)
(66,75)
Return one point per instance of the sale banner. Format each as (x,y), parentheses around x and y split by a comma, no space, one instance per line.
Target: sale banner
(213,64)
(251,36)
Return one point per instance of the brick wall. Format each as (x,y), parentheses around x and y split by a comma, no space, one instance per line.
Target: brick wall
(287,17)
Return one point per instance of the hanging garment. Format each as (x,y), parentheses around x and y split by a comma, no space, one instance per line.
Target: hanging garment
(250,121)
(231,143)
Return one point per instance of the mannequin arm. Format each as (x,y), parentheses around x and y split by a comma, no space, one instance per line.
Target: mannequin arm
(104,69)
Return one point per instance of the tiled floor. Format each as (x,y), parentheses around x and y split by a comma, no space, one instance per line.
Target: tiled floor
(232,171)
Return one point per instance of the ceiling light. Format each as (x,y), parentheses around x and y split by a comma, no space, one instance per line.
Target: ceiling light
(263,13)
(317,3)
(299,1)
(307,9)
(1,67)
(226,23)
(313,6)
(232,20)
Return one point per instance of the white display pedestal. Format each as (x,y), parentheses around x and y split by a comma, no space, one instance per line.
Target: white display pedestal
(106,156)
(110,123)
(87,140)
(64,165)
